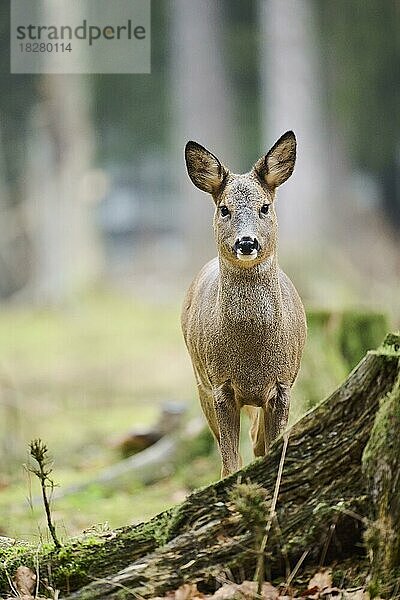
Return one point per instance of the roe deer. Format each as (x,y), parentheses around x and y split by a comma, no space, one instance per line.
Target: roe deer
(243,321)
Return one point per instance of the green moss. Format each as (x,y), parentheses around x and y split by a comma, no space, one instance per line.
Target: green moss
(390,346)
(250,500)
(386,419)
(80,556)
(14,556)
(74,559)
(381,464)
(160,526)
(338,576)
(374,589)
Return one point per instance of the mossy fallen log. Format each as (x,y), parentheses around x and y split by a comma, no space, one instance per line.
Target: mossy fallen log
(324,501)
(381,465)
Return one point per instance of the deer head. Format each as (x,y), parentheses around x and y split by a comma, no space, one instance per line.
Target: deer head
(245,223)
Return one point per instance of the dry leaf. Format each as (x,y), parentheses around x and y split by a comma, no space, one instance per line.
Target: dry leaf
(356,594)
(246,591)
(321,580)
(25,582)
(188,591)
(311,592)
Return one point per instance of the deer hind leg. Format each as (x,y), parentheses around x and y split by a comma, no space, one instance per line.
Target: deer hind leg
(257,430)
(228,417)
(207,405)
(276,413)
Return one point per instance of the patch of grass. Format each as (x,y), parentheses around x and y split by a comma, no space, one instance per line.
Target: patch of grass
(106,343)
(94,505)
(72,377)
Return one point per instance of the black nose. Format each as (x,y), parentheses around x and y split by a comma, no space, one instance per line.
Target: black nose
(246,245)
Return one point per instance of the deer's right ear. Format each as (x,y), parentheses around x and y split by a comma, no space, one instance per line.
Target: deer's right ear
(204,169)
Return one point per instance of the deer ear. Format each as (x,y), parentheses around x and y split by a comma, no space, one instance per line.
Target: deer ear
(204,169)
(278,164)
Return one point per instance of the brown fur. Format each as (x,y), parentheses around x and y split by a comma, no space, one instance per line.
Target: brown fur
(243,321)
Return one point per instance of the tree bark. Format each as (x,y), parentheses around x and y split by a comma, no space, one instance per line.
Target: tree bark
(381,465)
(323,504)
(60,191)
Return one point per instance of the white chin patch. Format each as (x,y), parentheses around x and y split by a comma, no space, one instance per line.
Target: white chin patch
(247,257)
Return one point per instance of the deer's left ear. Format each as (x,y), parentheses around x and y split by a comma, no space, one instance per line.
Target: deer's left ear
(278,164)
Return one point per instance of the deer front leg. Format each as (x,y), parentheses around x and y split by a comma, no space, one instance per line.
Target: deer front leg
(228,418)
(276,413)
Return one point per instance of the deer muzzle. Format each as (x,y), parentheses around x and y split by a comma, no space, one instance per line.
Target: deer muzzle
(246,248)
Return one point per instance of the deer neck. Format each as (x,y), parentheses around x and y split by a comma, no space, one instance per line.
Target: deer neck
(250,294)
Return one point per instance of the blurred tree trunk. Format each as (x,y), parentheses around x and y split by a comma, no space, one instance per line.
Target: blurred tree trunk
(12,443)
(66,250)
(64,240)
(362,78)
(14,263)
(291,99)
(202,104)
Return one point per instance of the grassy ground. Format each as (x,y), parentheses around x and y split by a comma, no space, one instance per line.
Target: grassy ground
(80,377)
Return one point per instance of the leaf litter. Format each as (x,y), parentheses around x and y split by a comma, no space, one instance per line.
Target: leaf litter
(319,588)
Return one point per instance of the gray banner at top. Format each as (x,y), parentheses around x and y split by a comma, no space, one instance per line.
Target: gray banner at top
(80,36)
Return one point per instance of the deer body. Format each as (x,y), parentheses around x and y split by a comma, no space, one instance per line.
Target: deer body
(242,319)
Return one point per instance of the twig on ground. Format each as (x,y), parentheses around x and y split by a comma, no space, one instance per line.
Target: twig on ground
(259,574)
(294,572)
(38,450)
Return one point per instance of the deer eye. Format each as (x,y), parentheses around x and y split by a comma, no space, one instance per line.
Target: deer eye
(264,209)
(224,211)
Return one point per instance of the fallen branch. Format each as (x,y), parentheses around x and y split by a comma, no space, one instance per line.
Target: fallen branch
(149,465)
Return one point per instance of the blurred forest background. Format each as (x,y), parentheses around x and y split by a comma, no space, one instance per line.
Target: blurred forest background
(101,231)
